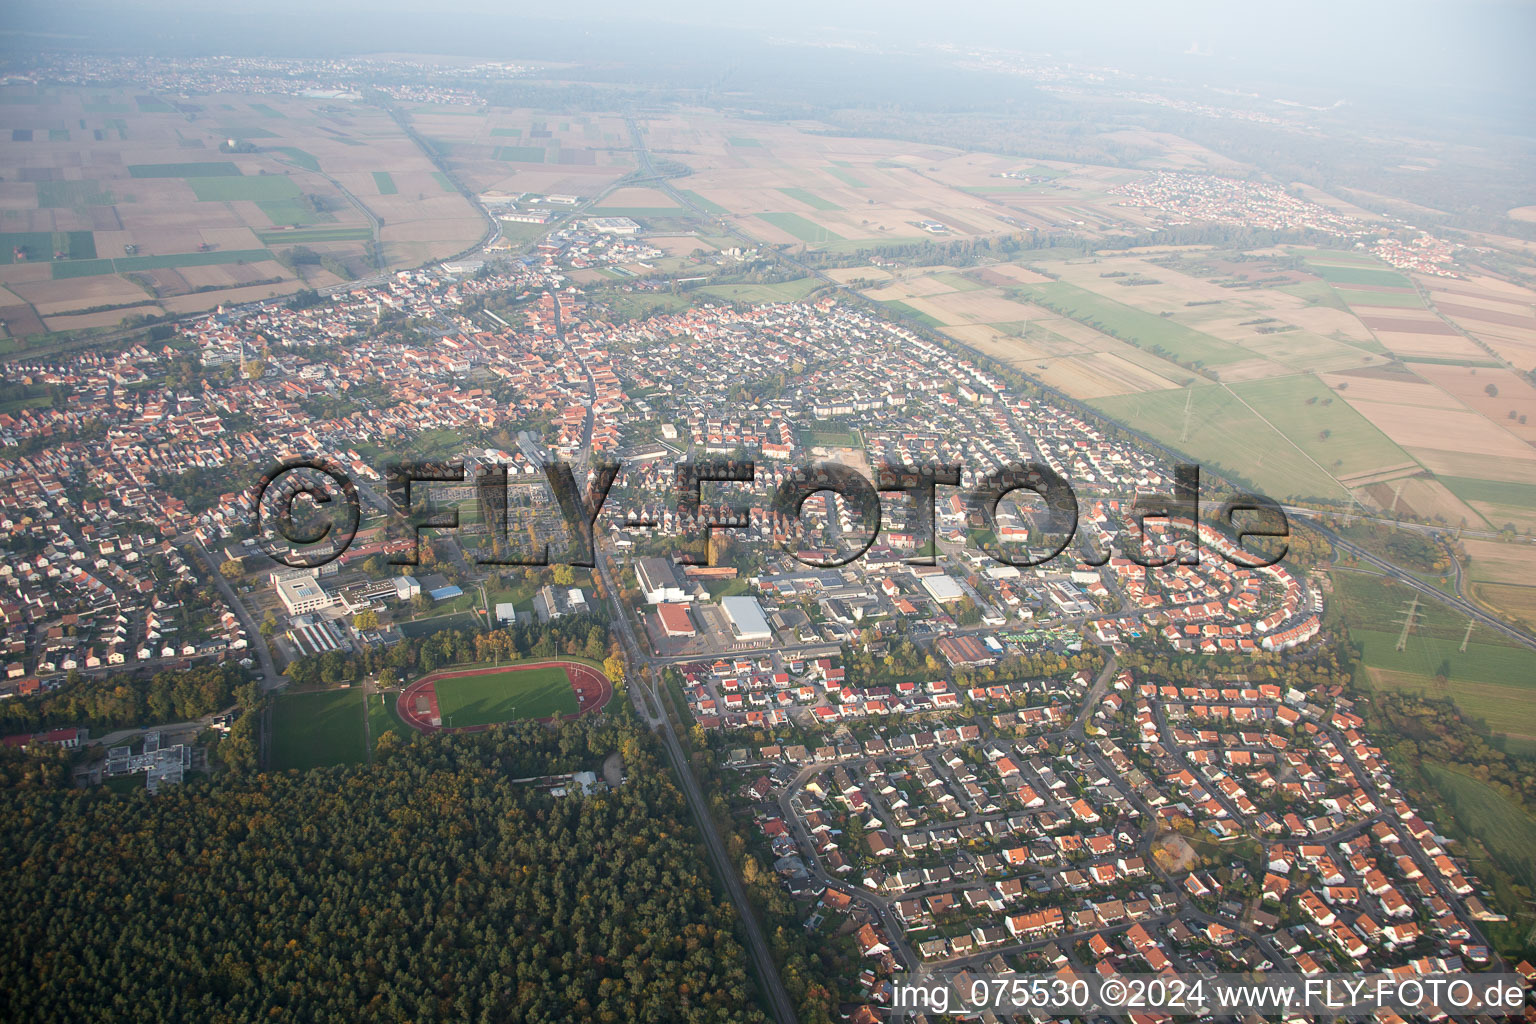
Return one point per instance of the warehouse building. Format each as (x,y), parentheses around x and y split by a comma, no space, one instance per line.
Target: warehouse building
(746,618)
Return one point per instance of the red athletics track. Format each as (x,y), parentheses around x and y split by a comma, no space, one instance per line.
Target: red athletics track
(417,703)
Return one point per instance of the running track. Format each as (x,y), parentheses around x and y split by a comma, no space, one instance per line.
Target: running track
(417,703)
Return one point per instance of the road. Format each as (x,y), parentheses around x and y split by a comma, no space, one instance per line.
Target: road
(1411,581)
(270,679)
(757,945)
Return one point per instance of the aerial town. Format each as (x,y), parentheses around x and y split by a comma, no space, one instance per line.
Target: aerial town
(583,538)
(969,819)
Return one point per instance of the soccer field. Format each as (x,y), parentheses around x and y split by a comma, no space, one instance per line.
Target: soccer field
(491,697)
(316,730)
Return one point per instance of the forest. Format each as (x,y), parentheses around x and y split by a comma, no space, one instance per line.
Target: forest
(103,703)
(429,887)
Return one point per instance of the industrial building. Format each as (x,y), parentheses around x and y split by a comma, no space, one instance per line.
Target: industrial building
(746,618)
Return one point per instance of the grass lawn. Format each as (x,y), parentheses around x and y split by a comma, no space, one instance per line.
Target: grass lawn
(382,718)
(805,230)
(784,291)
(1504,828)
(464,622)
(505,696)
(315,730)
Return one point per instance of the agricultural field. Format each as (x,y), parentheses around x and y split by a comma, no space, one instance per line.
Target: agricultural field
(1491,681)
(1504,828)
(491,697)
(1308,373)
(317,730)
(516,151)
(116,204)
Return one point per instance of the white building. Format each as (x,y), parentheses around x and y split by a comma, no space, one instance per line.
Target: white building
(303,595)
(746,618)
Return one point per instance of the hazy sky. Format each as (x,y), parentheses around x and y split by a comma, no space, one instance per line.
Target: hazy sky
(1478,45)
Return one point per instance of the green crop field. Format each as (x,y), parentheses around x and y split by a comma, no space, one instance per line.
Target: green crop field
(36,246)
(1136,326)
(443,180)
(707,205)
(743,141)
(810,199)
(805,230)
(123,264)
(221,169)
(520,154)
(66,194)
(1496,492)
(299,156)
(258,187)
(1438,656)
(302,236)
(505,696)
(912,311)
(1490,681)
(294,212)
(315,730)
(1504,827)
(507,133)
(1394,300)
(1215,428)
(385,183)
(1381,275)
(846,177)
(1321,424)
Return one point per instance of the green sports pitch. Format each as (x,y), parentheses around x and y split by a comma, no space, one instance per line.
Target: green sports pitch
(490,697)
(317,730)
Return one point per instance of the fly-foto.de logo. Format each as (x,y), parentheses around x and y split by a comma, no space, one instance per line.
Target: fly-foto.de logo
(321,530)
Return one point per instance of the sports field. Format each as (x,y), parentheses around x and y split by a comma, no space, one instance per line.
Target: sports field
(491,697)
(479,697)
(316,730)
